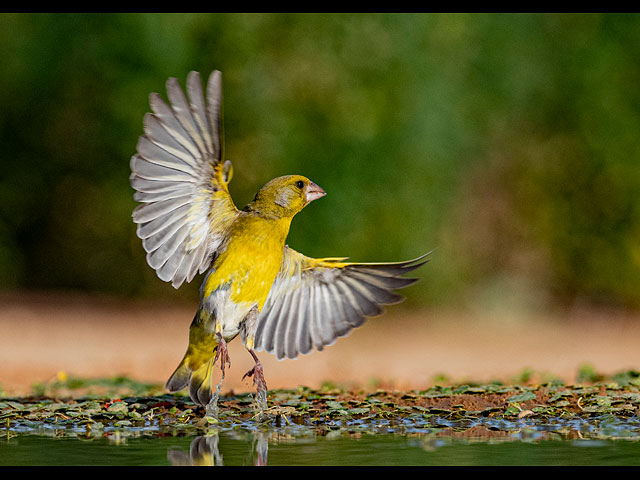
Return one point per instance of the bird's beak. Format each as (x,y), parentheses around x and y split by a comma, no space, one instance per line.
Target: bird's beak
(314,192)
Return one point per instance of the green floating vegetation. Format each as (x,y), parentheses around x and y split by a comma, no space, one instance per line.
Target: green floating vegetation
(493,407)
(64,385)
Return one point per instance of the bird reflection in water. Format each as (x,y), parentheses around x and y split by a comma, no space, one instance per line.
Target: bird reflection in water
(204,451)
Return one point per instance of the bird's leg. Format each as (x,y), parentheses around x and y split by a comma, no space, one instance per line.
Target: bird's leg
(248,332)
(257,373)
(222,353)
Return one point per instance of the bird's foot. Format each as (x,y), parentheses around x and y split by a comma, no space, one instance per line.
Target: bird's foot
(258,377)
(222,353)
(258,380)
(261,386)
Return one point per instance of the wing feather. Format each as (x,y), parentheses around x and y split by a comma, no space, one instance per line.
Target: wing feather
(159,134)
(185,209)
(350,301)
(313,302)
(326,323)
(147,212)
(161,255)
(173,127)
(144,168)
(287,320)
(214,108)
(290,336)
(184,115)
(268,329)
(154,153)
(144,197)
(314,318)
(303,340)
(157,225)
(158,238)
(143,185)
(199,109)
(339,314)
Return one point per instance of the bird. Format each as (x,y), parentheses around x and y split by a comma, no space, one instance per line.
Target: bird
(277,299)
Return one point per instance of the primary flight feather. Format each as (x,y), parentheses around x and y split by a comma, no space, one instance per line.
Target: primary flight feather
(277,299)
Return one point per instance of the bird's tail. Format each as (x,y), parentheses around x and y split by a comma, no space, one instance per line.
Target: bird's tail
(196,367)
(198,380)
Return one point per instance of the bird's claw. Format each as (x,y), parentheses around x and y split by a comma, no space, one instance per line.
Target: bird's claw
(258,377)
(222,353)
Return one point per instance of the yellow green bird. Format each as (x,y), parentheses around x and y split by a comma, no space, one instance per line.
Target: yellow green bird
(277,299)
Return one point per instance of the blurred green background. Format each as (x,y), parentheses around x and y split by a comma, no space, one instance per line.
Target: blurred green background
(508,142)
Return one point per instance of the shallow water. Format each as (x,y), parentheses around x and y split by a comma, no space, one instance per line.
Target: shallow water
(250,449)
(603,440)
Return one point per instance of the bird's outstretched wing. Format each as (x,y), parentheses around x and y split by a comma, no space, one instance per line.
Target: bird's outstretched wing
(314,301)
(181,181)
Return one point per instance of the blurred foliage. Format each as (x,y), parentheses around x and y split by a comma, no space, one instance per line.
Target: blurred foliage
(509,142)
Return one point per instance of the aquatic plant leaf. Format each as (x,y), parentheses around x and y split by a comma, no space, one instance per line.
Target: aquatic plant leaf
(522,397)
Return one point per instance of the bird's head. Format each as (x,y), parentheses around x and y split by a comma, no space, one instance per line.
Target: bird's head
(286,196)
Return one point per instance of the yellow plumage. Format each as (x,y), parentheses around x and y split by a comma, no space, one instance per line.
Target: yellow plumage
(252,258)
(277,299)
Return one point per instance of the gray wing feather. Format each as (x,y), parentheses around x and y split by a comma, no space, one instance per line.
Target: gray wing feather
(157,225)
(303,340)
(159,134)
(158,257)
(214,110)
(143,185)
(172,173)
(310,308)
(338,313)
(183,113)
(324,323)
(154,153)
(280,324)
(355,316)
(290,336)
(152,171)
(173,127)
(313,320)
(145,197)
(199,109)
(154,240)
(271,326)
(147,212)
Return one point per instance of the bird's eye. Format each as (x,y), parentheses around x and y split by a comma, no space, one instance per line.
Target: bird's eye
(300,184)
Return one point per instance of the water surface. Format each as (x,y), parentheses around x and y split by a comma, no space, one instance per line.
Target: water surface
(489,443)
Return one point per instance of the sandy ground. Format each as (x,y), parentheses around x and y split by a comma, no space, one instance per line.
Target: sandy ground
(41,335)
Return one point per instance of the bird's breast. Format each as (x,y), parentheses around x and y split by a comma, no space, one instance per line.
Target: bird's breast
(249,264)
